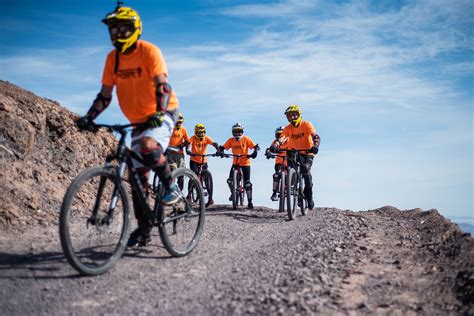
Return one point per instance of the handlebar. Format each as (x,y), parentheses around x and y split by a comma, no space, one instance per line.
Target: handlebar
(224,155)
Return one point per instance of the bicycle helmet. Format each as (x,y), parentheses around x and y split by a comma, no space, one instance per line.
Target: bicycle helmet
(293,114)
(278,132)
(180,119)
(200,130)
(237,130)
(125,27)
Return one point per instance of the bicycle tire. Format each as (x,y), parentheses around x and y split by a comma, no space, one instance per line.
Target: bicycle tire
(93,247)
(207,182)
(292,193)
(282,188)
(182,223)
(303,205)
(235,195)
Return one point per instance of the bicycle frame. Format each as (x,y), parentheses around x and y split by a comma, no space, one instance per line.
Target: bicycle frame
(239,187)
(124,156)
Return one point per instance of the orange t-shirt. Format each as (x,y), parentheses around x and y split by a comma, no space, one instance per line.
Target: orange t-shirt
(199,147)
(299,137)
(282,145)
(240,147)
(179,135)
(136,90)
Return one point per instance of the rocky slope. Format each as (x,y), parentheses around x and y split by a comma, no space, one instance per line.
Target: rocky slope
(41,151)
(384,261)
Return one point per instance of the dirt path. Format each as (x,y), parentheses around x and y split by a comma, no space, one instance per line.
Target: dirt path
(332,261)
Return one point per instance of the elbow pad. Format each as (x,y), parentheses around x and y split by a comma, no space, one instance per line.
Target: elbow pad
(163,93)
(95,110)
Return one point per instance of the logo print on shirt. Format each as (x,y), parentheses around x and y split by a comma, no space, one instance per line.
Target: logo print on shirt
(297,136)
(129,73)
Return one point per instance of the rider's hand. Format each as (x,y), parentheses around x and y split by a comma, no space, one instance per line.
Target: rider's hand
(189,152)
(254,154)
(156,119)
(256,148)
(268,154)
(85,123)
(314,150)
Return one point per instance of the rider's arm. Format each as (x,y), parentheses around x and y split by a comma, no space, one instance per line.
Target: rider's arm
(316,139)
(163,92)
(101,102)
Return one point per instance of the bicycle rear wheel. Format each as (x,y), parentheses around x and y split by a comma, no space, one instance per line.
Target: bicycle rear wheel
(282,188)
(182,223)
(94,223)
(291,192)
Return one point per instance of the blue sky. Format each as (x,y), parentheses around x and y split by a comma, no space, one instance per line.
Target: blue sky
(387,84)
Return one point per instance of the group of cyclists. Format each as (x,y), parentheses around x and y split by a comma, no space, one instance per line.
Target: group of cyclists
(138,71)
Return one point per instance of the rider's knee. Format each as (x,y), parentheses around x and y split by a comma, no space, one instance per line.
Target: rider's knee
(248,185)
(152,152)
(229,181)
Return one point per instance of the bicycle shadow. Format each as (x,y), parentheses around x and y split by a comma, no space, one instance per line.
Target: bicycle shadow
(243,215)
(43,265)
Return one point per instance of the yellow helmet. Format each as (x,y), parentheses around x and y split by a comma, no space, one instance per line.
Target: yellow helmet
(180,118)
(290,114)
(200,130)
(124,16)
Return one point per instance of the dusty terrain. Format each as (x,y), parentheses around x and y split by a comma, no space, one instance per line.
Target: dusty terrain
(383,261)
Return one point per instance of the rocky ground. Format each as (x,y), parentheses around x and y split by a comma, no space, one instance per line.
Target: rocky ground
(383,261)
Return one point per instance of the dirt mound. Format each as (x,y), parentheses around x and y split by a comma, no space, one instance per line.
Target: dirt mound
(41,151)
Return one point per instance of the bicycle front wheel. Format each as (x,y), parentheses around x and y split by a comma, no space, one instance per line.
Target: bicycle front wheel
(182,223)
(291,192)
(94,221)
(207,182)
(235,190)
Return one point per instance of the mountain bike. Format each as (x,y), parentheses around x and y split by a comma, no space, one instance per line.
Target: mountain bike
(94,218)
(282,176)
(238,189)
(294,183)
(205,178)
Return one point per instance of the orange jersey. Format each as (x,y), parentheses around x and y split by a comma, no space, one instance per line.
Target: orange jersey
(240,147)
(299,137)
(136,90)
(200,147)
(280,143)
(178,137)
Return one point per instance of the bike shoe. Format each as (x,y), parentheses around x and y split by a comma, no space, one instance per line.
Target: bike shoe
(311,204)
(171,195)
(209,203)
(250,206)
(274,197)
(137,238)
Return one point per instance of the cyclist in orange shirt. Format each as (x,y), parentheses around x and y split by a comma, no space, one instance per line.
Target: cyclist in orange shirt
(179,140)
(198,143)
(138,71)
(240,145)
(280,162)
(302,135)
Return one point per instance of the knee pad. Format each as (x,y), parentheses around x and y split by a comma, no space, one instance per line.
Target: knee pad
(154,157)
(248,185)
(229,181)
(276,177)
